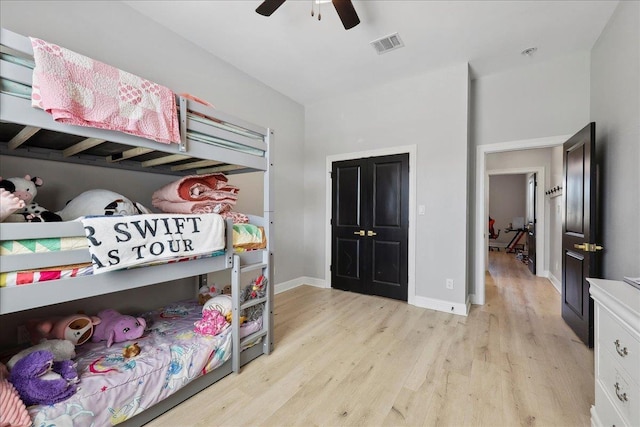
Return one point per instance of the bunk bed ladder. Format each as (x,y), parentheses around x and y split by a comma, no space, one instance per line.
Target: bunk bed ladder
(236,286)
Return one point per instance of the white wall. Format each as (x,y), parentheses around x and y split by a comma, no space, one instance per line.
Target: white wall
(507,200)
(555,218)
(118,35)
(544,99)
(615,107)
(541,100)
(429,110)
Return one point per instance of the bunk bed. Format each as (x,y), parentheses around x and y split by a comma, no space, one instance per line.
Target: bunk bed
(210,142)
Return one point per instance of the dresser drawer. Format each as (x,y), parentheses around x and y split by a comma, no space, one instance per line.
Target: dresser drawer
(606,412)
(618,341)
(621,390)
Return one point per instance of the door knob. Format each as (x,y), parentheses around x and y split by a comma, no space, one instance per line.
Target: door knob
(371,233)
(588,247)
(359,233)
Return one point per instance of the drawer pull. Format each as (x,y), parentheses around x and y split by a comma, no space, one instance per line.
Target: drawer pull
(623,396)
(622,352)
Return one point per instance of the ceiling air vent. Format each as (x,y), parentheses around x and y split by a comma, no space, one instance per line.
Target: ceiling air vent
(387,43)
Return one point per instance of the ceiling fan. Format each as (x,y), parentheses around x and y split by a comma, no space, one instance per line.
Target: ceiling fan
(345,10)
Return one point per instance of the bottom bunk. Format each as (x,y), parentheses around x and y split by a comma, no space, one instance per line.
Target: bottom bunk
(179,349)
(137,380)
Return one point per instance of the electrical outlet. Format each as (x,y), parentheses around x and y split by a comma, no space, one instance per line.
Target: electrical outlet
(449,283)
(23,335)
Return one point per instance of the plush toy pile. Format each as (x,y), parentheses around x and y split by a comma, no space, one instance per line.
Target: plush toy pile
(45,373)
(17,203)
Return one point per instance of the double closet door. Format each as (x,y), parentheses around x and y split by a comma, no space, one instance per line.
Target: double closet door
(370,224)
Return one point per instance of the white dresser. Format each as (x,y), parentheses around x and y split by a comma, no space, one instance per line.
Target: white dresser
(617,353)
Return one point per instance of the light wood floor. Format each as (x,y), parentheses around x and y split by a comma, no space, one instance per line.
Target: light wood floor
(348,359)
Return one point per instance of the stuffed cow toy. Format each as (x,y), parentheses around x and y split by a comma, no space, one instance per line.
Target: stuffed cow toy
(17,204)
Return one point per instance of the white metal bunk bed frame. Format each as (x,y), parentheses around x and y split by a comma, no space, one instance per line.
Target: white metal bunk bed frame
(18,110)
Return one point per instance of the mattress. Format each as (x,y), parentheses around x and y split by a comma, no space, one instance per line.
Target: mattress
(113,388)
(26,277)
(49,244)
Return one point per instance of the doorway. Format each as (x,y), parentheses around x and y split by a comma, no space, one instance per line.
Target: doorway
(411,150)
(481,203)
(370,224)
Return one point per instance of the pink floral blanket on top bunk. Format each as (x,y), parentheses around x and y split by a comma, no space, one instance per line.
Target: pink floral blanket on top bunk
(80,91)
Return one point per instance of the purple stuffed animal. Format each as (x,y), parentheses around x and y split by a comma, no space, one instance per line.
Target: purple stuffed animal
(40,380)
(116,327)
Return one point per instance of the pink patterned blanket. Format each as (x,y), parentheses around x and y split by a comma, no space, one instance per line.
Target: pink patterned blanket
(81,91)
(199,194)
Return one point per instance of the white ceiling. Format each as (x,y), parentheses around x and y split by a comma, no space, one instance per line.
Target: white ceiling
(308,60)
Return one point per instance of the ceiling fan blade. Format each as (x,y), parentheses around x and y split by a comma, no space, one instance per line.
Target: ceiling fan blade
(269,6)
(347,13)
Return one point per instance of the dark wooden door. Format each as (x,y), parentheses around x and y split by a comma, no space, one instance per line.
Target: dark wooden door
(579,232)
(531,222)
(370,226)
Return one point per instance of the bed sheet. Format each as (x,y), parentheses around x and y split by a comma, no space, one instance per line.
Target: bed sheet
(113,388)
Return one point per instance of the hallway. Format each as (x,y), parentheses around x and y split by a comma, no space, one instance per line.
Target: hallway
(533,329)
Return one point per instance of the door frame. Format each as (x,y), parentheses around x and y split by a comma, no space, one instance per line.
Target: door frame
(412,150)
(482,211)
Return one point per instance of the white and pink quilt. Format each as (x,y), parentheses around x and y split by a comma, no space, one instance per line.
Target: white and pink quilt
(81,91)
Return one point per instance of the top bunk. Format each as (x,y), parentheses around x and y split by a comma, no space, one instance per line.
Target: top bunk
(210,141)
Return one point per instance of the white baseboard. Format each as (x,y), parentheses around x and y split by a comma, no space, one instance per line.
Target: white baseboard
(423,302)
(555,282)
(461,309)
(294,283)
